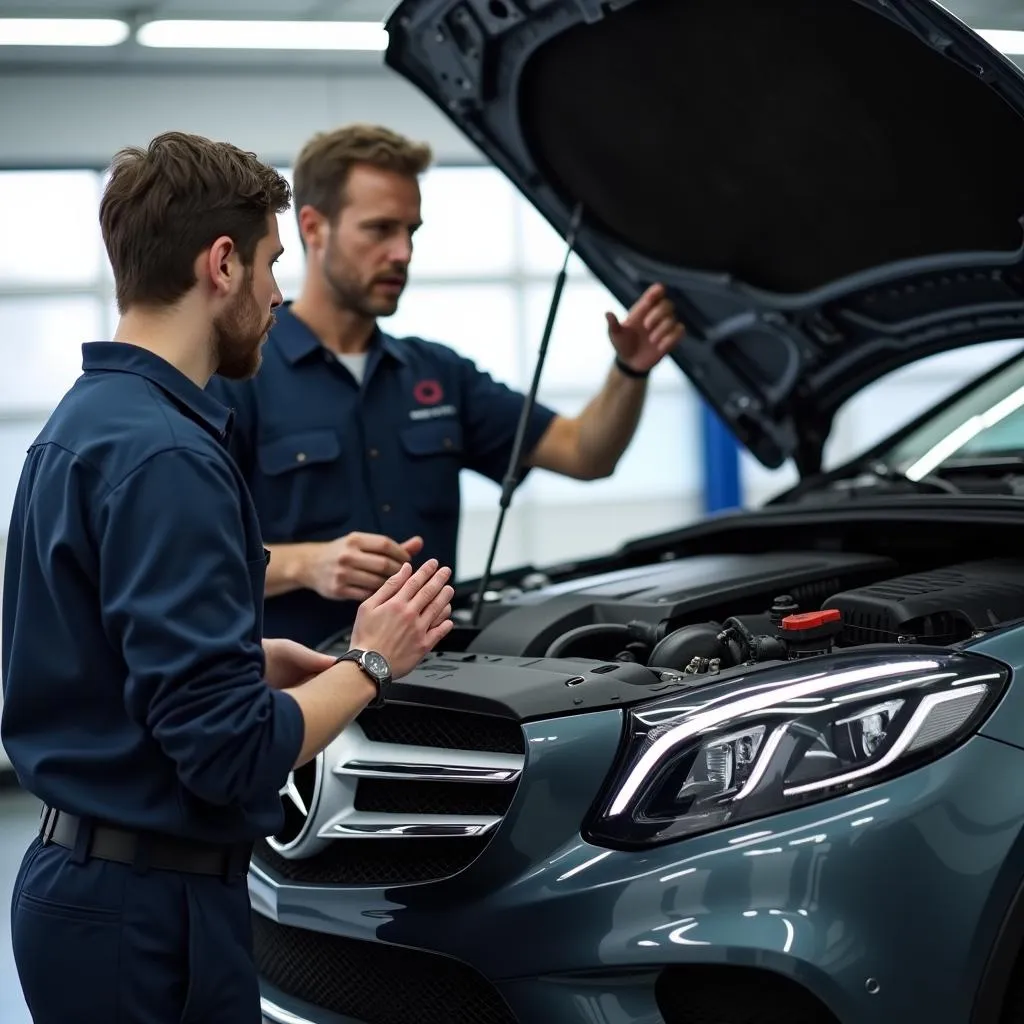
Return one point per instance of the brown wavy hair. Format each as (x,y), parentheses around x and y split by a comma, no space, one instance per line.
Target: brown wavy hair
(163,205)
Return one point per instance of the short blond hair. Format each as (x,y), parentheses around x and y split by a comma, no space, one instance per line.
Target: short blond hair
(323,166)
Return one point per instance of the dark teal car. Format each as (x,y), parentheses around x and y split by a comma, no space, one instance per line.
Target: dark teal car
(770,767)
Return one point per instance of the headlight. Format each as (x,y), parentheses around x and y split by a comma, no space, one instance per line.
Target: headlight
(777,739)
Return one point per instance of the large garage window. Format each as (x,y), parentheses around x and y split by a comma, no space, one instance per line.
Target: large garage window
(51,234)
(40,347)
(469,225)
(51,300)
(481,280)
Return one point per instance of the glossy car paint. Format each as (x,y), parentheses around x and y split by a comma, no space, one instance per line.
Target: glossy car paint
(1006,723)
(884,903)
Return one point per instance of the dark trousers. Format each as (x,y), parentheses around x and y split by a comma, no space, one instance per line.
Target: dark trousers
(97,941)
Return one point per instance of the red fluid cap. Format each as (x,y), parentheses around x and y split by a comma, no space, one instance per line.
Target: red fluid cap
(811,620)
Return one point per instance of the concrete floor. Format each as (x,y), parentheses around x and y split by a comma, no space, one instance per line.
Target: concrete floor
(19,819)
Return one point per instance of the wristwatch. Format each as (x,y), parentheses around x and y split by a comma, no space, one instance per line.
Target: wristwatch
(376,666)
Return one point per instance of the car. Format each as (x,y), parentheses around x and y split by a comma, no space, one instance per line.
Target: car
(760,768)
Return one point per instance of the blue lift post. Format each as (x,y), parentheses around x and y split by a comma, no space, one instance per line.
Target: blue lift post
(721,463)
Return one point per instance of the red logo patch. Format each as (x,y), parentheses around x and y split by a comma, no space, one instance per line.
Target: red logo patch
(428,392)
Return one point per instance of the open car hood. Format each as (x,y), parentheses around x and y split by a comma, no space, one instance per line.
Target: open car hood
(828,190)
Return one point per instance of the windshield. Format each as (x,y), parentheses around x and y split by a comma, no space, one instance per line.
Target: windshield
(988,422)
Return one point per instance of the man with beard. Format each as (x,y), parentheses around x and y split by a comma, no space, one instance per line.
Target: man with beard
(352,440)
(141,703)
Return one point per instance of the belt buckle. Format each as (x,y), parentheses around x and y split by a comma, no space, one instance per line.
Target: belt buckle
(48,823)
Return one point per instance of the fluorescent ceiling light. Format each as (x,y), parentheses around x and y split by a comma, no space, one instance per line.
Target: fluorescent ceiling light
(1004,40)
(62,32)
(265,35)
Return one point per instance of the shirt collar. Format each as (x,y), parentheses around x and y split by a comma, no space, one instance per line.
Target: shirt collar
(124,357)
(297,341)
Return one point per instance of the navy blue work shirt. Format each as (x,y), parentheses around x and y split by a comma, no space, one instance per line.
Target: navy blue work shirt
(132,644)
(325,455)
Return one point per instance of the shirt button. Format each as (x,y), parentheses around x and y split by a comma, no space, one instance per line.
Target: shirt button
(300,457)
(385,508)
(447,442)
(374,453)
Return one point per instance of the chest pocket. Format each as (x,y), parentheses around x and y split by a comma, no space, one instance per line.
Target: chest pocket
(434,450)
(303,489)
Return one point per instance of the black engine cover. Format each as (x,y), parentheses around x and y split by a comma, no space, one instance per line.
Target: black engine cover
(942,606)
(692,589)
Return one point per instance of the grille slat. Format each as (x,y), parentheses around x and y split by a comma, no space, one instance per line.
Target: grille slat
(431,727)
(431,797)
(355,786)
(372,981)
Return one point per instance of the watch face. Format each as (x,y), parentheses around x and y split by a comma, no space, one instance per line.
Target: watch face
(376,664)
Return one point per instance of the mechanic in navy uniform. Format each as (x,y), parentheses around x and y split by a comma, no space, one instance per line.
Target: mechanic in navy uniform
(352,440)
(141,703)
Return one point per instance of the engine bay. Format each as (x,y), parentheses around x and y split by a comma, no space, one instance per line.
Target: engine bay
(594,640)
(714,600)
(703,614)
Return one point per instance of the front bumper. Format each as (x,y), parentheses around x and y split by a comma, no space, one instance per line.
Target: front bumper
(879,906)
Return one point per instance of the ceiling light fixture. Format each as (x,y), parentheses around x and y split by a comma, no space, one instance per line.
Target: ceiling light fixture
(1005,41)
(265,35)
(62,32)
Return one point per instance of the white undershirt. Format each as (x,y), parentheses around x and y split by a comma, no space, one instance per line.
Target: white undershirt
(355,364)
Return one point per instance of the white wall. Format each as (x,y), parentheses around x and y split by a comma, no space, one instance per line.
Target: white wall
(81,119)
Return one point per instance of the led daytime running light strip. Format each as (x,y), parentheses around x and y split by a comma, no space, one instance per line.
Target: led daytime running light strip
(700,723)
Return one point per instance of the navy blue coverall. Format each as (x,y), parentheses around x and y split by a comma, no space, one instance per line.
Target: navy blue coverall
(135,703)
(325,454)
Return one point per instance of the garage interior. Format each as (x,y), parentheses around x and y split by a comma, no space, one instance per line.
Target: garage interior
(484,256)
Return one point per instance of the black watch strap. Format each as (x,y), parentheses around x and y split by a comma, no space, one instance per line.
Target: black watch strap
(626,370)
(355,655)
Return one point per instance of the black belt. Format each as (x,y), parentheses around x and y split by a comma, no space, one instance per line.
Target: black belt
(144,849)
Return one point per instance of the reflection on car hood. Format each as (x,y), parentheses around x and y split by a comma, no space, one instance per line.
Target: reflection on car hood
(829,190)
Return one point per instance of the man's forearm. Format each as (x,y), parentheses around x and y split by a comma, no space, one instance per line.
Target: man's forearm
(285,570)
(329,702)
(609,421)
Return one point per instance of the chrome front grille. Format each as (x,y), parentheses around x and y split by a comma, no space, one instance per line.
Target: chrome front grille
(392,801)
